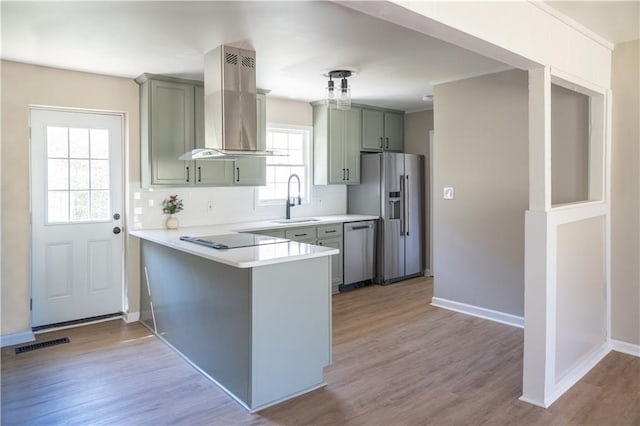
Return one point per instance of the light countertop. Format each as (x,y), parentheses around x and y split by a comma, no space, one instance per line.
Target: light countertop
(247,257)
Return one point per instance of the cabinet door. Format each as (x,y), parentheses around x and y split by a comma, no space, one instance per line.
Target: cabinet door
(208,173)
(336,130)
(336,259)
(251,171)
(372,130)
(172,132)
(394,131)
(352,145)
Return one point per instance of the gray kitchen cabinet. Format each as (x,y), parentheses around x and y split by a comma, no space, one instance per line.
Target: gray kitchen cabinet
(336,137)
(252,171)
(304,235)
(372,130)
(336,261)
(331,236)
(393,131)
(208,173)
(322,235)
(167,130)
(382,130)
(172,123)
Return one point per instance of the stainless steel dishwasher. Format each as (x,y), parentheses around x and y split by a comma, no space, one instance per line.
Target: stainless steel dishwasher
(359,253)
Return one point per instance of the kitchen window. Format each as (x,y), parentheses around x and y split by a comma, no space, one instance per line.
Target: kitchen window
(292,144)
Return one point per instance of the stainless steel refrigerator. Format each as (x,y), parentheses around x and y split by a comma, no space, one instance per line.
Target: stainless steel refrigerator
(391,187)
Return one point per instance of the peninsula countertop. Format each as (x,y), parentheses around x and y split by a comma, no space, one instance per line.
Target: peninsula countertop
(248,257)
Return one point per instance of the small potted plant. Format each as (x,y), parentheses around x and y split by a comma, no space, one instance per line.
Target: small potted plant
(171,206)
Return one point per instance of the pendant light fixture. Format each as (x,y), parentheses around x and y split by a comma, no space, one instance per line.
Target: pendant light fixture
(338,98)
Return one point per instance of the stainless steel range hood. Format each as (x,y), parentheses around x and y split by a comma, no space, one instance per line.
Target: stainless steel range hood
(230,120)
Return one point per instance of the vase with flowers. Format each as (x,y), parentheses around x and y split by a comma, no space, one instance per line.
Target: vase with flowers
(171,206)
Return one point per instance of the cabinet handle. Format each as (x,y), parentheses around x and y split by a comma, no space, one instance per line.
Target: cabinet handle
(199,174)
(381,143)
(237,174)
(330,232)
(387,143)
(348,174)
(299,235)
(344,174)
(187,173)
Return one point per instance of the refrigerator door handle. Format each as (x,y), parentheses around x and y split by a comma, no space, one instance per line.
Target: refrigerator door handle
(402,206)
(406,204)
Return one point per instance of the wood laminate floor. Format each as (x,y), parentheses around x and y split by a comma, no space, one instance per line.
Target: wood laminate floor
(396,361)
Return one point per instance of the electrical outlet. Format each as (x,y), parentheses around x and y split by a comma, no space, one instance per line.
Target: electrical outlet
(448,193)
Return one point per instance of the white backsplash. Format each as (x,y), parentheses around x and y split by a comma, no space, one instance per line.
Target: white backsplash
(229,205)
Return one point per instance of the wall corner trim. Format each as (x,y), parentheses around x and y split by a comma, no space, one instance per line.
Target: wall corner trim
(625,348)
(478,311)
(16,338)
(577,372)
(131,317)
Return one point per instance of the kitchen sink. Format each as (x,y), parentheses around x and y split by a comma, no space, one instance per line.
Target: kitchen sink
(299,220)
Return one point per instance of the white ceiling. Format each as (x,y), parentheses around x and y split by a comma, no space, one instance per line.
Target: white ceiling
(294,42)
(615,21)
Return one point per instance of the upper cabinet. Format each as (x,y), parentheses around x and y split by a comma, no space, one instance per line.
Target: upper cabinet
(172,123)
(382,130)
(336,145)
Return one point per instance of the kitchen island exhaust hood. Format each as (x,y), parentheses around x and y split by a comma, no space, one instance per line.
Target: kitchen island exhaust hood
(230,118)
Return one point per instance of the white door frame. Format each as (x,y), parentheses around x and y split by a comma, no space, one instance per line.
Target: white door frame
(123,115)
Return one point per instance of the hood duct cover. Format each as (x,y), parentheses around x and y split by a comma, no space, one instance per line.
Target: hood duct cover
(230,117)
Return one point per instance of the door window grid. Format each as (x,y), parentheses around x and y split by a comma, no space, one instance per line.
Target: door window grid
(292,147)
(77,175)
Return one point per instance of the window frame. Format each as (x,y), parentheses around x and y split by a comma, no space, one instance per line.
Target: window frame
(307,133)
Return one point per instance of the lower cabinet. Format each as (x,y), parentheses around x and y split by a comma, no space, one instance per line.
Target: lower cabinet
(321,235)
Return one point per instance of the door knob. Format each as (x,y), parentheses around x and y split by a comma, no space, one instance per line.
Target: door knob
(116,230)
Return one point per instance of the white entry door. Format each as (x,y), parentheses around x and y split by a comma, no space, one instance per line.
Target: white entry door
(76,207)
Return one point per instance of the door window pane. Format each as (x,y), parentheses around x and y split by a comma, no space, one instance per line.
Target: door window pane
(58,173)
(57,142)
(77,175)
(58,207)
(79,143)
(99,174)
(79,201)
(99,143)
(100,205)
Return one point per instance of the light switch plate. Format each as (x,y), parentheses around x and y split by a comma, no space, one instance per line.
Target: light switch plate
(448,193)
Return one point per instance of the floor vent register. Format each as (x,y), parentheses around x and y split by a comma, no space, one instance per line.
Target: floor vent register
(41,345)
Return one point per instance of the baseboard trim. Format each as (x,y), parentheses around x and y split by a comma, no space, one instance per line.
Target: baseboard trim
(477,311)
(131,317)
(577,373)
(16,338)
(625,348)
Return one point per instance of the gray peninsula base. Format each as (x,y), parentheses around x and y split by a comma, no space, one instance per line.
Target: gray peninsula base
(263,334)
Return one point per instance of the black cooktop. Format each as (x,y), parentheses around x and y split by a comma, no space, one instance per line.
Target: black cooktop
(231,241)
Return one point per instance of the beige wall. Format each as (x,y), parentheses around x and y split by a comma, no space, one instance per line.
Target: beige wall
(416,141)
(23,85)
(625,194)
(569,146)
(288,111)
(481,149)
